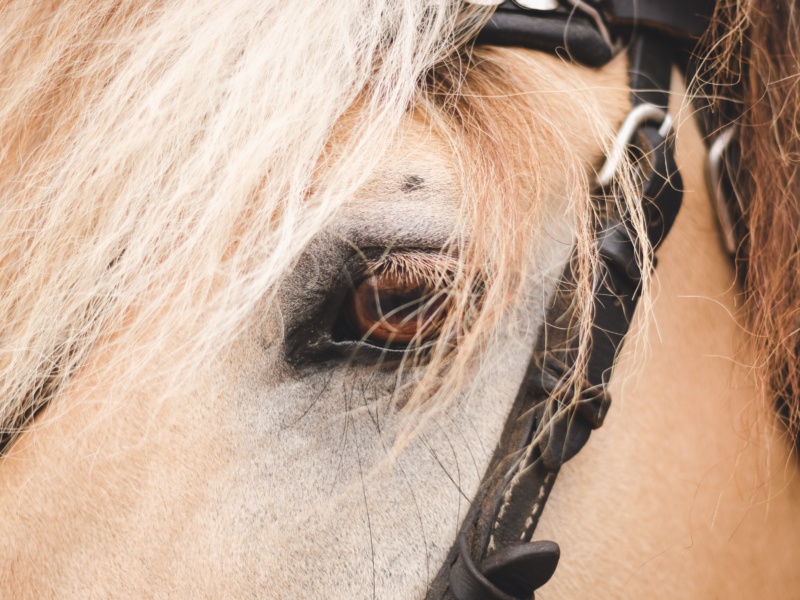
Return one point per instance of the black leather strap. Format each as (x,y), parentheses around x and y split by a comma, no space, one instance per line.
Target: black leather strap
(551,420)
(570,31)
(559,32)
(680,19)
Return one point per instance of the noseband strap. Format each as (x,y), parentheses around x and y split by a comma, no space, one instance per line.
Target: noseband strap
(494,557)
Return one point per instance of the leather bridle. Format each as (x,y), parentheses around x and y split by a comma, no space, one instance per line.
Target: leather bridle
(554,413)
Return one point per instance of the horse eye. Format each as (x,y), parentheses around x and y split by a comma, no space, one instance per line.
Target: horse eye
(388,311)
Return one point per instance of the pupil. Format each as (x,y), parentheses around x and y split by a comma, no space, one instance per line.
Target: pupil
(398,305)
(387,310)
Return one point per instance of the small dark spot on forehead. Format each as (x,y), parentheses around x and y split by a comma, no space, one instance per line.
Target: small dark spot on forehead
(413,183)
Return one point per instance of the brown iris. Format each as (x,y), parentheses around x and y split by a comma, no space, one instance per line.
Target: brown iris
(387,310)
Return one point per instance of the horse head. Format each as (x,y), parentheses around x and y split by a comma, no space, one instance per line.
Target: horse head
(318,300)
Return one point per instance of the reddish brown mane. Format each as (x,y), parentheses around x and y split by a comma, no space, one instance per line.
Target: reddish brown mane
(753,68)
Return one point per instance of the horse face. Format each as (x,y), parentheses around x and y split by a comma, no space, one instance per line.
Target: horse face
(342,491)
(293,468)
(302,460)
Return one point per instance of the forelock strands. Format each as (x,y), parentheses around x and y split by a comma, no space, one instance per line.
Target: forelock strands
(163,164)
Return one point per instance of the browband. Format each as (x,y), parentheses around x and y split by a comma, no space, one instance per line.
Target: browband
(592,32)
(494,557)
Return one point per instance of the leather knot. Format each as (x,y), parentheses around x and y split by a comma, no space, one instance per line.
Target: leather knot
(511,573)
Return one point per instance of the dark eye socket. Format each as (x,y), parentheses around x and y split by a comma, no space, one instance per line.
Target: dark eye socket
(390,311)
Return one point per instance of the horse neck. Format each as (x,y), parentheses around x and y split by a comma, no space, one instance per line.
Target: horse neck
(691,473)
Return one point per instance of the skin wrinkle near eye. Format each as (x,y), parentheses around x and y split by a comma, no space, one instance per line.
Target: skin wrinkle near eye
(413,183)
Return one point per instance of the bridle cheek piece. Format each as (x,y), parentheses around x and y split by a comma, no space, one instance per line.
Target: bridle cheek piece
(553,415)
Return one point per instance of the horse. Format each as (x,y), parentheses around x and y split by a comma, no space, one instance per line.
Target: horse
(273,274)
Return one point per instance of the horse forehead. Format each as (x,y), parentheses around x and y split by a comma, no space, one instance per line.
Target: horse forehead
(413,194)
(417,163)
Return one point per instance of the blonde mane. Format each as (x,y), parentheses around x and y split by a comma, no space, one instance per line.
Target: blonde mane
(164,164)
(750,61)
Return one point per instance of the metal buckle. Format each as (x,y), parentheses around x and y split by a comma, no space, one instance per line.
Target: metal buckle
(715,178)
(638,116)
